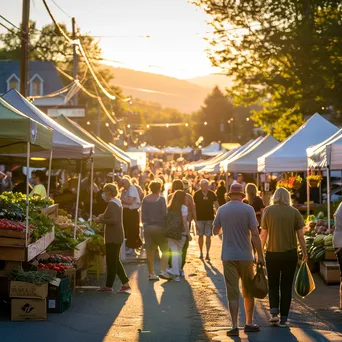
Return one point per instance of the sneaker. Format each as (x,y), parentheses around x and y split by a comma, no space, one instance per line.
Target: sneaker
(181,272)
(274,319)
(124,289)
(177,278)
(105,289)
(169,271)
(153,277)
(165,276)
(283,324)
(233,332)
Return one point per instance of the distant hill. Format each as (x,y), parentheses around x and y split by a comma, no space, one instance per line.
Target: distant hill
(168,91)
(210,81)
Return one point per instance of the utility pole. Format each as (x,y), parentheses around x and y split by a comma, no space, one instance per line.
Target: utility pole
(74,71)
(98,120)
(24,47)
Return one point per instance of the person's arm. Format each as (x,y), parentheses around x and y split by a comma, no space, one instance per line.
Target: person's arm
(144,214)
(111,214)
(128,200)
(257,245)
(264,235)
(217,224)
(300,235)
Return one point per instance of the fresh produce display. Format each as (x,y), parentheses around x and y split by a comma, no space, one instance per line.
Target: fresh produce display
(57,263)
(13,225)
(34,277)
(12,211)
(64,240)
(96,246)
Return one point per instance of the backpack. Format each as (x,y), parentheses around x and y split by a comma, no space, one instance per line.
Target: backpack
(174,225)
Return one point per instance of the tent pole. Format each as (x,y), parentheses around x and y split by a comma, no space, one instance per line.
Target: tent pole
(258,180)
(27,192)
(307,195)
(328,197)
(49,175)
(77,203)
(113,178)
(91,190)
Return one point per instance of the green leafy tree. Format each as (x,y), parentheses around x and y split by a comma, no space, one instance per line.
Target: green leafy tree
(285,56)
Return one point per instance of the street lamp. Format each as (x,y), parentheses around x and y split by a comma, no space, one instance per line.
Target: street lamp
(247,119)
(186,125)
(107,124)
(88,123)
(205,123)
(128,126)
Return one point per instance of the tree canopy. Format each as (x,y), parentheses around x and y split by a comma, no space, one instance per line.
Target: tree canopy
(285,56)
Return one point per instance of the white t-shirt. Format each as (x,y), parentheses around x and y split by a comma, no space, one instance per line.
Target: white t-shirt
(338,227)
(131,192)
(184,210)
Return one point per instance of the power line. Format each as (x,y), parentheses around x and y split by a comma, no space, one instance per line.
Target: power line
(68,15)
(9,22)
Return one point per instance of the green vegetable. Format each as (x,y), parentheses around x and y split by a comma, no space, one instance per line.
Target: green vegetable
(34,277)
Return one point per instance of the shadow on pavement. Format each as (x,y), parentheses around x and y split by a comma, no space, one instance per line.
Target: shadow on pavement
(169,312)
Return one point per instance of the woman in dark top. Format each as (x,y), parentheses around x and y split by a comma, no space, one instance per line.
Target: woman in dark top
(114,237)
(254,200)
(221,192)
(154,219)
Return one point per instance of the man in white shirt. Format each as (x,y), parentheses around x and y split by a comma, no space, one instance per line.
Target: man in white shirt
(239,180)
(131,219)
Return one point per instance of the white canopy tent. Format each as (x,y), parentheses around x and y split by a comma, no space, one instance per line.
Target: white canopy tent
(247,161)
(212,150)
(290,155)
(200,164)
(213,165)
(238,152)
(146,149)
(326,154)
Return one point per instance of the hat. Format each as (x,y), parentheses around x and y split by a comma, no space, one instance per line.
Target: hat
(186,184)
(236,189)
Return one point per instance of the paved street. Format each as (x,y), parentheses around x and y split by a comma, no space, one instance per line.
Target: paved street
(193,310)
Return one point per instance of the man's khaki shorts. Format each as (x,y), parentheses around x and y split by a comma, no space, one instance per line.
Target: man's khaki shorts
(233,271)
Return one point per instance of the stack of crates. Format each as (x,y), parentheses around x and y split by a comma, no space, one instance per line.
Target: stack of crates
(59,297)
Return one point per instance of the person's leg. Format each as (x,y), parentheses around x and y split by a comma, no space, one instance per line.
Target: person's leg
(249,309)
(111,261)
(136,228)
(120,271)
(174,249)
(180,246)
(169,258)
(273,272)
(208,234)
(164,248)
(126,224)
(150,248)
(231,277)
(288,269)
(338,252)
(185,251)
(200,233)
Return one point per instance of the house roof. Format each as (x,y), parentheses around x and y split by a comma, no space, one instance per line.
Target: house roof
(46,70)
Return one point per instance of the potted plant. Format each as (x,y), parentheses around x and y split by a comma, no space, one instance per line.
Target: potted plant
(290,184)
(314,180)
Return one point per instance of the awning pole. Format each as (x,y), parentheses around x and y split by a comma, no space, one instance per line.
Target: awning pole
(27,193)
(113,178)
(77,203)
(307,194)
(49,175)
(91,190)
(328,197)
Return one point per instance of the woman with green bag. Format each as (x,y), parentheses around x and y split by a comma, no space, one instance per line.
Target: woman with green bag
(281,225)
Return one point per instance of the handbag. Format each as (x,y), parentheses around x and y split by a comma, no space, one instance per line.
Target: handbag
(304,284)
(259,287)
(174,225)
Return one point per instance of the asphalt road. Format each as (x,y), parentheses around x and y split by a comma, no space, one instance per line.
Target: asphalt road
(194,310)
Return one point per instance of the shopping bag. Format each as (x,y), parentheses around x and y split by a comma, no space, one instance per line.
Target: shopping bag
(304,284)
(259,287)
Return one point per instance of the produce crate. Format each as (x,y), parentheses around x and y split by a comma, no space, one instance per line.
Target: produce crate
(63,287)
(60,303)
(330,255)
(76,253)
(51,211)
(330,271)
(22,253)
(27,309)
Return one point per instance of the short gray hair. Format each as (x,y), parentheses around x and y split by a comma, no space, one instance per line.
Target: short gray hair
(204,181)
(281,196)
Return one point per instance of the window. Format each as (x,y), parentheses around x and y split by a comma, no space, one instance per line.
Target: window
(36,86)
(13,82)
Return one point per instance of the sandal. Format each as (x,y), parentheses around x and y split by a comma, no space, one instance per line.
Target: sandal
(233,332)
(252,328)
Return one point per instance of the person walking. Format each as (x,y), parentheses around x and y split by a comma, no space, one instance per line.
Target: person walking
(254,200)
(281,226)
(205,201)
(154,220)
(239,226)
(337,240)
(221,193)
(114,237)
(131,220)
(178,212)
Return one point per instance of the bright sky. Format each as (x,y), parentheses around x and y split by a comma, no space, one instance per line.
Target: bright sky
(176,27)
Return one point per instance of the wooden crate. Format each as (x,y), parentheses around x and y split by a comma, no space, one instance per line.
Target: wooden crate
(22,253)
(51,211)
(76,253)
(330,256)
(330,271)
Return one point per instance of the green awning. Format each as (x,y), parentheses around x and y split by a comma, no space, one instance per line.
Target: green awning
(104,158)
(17,129)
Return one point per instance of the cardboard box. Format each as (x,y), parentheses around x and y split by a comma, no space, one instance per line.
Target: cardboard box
(19,289)
(28,309)
(330,271)
(330,255)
